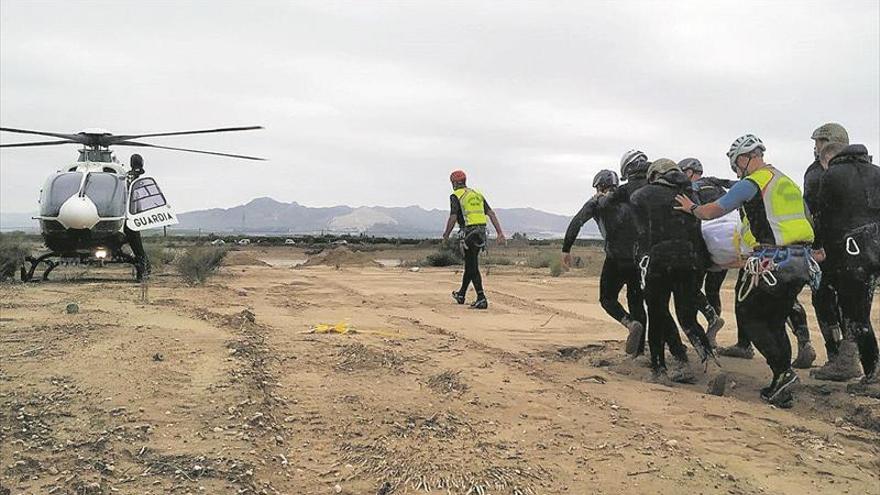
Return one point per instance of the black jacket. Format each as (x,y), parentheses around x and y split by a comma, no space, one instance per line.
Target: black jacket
(673,239)
(812,178)
(709,189)
(615,224)
(614,214)
(848,197)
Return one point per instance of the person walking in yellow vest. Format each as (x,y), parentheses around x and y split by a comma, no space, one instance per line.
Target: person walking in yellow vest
(470,210)
(777,228)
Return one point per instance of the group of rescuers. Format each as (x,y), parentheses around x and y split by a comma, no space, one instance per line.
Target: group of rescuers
(827,237)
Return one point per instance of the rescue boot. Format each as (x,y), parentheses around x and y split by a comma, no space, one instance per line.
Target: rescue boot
(459,298)
(844,367)
(737,351)
(713,324)
(659,376)
(868,386)
(636,332)
(779,392)
(682,372)
(480,303)
(805,356)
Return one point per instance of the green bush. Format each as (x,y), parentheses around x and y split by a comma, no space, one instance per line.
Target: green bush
(556,267)
(159,255)
(447,254)
(198,263)
(541,260)
(12,253)
(442,258)
(497,260)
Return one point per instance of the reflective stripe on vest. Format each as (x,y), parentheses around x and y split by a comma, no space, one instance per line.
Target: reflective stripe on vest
(784,207)
(473,206)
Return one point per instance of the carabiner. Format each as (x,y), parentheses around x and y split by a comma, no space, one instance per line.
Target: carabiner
(852,247)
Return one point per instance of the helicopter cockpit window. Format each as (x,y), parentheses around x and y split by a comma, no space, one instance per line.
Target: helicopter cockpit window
(59,190)
(145,195)
(107,191)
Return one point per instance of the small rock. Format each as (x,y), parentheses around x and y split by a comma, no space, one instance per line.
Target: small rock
(415,269)
(337,488)
(72,308)
(615,407)
(218,429)
(672,443)
(717,385)
(158,357)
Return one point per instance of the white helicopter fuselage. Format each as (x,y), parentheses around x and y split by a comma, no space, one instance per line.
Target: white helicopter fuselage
(89,203)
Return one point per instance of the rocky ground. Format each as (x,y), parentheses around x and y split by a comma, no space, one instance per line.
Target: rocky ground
(233,388)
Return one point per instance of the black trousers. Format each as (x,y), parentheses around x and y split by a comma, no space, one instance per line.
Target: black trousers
(617,273)
(473,244)
(133,237)
(712,289)
(761,316)
(797,320)
(682,286)
(827,311)
(855,293)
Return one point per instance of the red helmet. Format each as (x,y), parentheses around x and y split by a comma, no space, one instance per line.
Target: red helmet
(458,177)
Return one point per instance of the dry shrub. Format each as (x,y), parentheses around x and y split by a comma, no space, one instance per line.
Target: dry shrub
(12,254)
(198,263)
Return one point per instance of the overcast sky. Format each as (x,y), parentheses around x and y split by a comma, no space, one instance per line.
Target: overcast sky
(374,103)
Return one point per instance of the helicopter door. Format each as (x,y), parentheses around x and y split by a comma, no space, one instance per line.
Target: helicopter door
(147,208)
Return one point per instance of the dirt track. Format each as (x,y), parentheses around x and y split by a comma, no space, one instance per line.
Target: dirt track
(219,389)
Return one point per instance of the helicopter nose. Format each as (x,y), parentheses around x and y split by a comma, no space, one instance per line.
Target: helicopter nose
(78,213)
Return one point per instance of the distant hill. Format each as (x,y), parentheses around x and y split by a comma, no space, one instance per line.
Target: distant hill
(268,216)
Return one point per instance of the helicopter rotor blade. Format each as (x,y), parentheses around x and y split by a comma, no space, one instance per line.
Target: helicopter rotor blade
(147,145)
(37,143)
(73,137)
(117,139)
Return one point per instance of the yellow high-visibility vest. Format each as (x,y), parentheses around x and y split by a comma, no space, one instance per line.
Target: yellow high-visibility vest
(784,208)
(473,206)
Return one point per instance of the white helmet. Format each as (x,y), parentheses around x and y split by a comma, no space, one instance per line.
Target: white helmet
(742,145)
(633,161)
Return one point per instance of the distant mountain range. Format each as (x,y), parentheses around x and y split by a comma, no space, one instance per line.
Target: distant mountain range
(268,216)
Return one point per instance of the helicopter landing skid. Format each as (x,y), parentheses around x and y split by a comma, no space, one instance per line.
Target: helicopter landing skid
(27,274)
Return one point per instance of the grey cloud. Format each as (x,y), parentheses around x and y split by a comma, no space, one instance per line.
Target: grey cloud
(375,102)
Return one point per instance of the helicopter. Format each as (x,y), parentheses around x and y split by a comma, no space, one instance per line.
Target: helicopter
(90,209)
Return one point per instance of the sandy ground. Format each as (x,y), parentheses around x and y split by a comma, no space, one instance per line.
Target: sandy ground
(220,389)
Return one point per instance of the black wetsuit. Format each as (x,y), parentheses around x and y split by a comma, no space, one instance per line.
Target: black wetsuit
(619,270)
(824,297)
(474,241)
(848,228)
(707,190)
(671,243)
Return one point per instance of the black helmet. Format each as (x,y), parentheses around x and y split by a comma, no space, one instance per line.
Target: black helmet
(691,164)
(136,162)
(633,162)
(605,179)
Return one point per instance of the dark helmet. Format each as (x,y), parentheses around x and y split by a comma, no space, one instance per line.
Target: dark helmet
(605,179)
(136,162)
(691,164)
(633,162)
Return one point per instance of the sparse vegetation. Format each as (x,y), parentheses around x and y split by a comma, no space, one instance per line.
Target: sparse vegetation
(198,263)
(556,267)
(447,255)
(497,260)
(12,253)
(159,255)
(541,260)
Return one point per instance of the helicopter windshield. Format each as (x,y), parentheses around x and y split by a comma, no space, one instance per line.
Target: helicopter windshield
(145,195)
(57,191)
(107,191)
